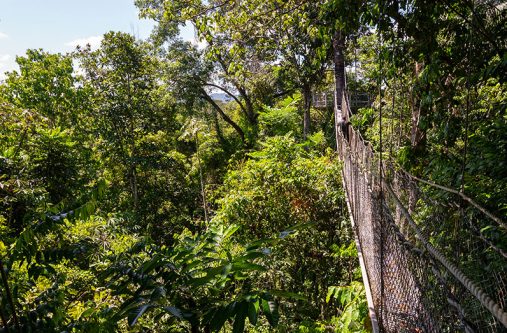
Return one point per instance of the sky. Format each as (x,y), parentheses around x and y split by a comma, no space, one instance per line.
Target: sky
(60,25)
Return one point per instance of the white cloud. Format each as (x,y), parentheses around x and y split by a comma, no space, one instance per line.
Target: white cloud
(4,62)
(200,44)
(94,42)
(4,58)
(3,35)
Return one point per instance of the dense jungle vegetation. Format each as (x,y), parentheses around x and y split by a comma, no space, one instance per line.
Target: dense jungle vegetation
(133,200)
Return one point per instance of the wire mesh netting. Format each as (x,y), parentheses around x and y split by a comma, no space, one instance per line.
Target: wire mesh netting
(430,264)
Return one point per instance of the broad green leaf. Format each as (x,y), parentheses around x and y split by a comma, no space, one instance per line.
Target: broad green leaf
(222,313)
(230,231)
(239,320)
(253,311)
(136,313)
(270,310)
(247,266)
(174,311)
(330,291)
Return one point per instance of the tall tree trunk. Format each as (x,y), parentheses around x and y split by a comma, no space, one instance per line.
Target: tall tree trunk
(133,167)
(307,101)
(339,76)
(10,301)
(220,134)
(133,154)
(224,115)
(133,184)
(416,134)
(252,115)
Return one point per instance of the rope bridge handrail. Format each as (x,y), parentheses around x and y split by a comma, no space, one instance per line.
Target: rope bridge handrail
(408,242)
(461,194)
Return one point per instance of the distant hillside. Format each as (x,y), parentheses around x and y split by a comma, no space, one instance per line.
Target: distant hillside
(222,97)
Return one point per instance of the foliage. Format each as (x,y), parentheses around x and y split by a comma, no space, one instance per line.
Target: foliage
(202,281)
(42,167)
(280,120)
(131,200)
(46,83)
(353,315)
(76,258)
(294,191)
(137,144)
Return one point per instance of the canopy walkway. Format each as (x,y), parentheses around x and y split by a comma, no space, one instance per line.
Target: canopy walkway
(427,265)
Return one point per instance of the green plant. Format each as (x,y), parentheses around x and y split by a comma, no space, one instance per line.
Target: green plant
(352,306)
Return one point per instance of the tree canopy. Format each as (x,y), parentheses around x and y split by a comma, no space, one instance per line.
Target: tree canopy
(133,199)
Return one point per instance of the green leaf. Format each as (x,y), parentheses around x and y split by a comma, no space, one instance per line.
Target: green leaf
(330,292)
(252,255)
(174,311)
(87,312)
(227,269)
(247,266)
(253,311)
(230,231)
(221,315)
(270,310)
(239,320)
(346,296)
(136,313)
(151,264)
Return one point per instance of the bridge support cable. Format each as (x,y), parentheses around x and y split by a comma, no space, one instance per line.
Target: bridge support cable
(462,195)
(485,300)
(409,251)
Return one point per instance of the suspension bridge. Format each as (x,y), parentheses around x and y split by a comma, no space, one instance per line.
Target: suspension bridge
(423,271)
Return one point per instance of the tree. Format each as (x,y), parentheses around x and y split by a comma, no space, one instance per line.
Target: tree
(295,32)
(237,70)
(122,76)
(46,83)
(293,191)
(288,41)
(188,76)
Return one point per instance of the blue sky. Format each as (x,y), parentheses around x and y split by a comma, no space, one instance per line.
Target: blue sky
(59,25)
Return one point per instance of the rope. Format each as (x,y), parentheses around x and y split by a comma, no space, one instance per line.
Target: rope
(467,111)
(461,194)
(485,300)
(399,269)
(393,98)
